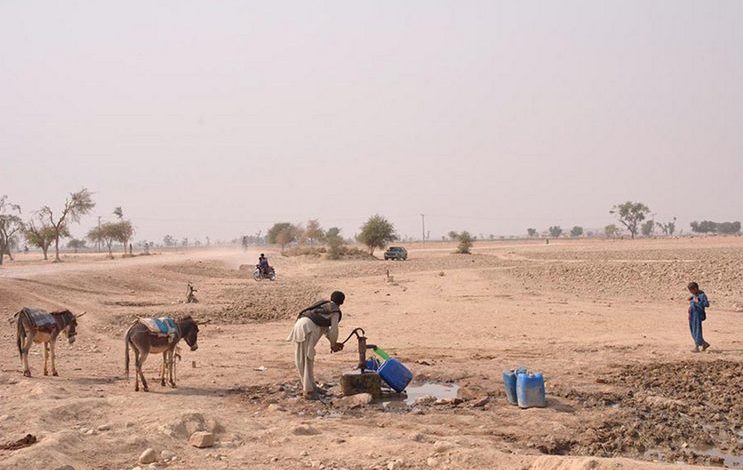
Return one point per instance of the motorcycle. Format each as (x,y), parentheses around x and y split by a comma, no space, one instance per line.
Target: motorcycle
(259,275)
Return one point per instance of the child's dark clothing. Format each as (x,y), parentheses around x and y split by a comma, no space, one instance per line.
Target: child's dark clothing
(697,315)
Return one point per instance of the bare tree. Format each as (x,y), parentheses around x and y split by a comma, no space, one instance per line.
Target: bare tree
(611,231)
(76,244)
(104,235)
(282,234)
(314,231)
(10,225)
(123,230)
(631,214)
(41,236)
(77,205)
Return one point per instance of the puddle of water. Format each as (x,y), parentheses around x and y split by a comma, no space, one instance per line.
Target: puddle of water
(729,460)
(443,391)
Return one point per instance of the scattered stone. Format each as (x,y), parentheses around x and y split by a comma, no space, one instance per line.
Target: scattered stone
(201,439)
(432,462)
(304,453)
(65,467)
(12,381)
(354,401)
(167,455)
(148,456)
(424,400)
(481,402)
(274,408)
(396,464)
(395,405)
(188,423)
(442,447)
(305,431)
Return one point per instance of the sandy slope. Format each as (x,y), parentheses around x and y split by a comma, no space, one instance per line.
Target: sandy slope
(560,308)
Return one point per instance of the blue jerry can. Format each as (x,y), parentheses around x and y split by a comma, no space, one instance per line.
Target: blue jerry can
(395,374)
(509,382)
(530,390)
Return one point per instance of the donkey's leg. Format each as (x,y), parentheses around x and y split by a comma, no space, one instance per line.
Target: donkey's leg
(45,345)
(136,369)
(28,341)
(53,344)
(142,357)
(164,368)
(171,368)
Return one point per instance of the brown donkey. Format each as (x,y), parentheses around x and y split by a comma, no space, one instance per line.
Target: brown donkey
(38,326)
(144,342)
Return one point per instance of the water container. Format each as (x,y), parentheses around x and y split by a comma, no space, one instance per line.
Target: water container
(530,390)
(509,381)
(395,374)
(372,364)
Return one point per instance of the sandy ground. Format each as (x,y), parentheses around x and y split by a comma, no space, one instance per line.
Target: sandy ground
(604,320)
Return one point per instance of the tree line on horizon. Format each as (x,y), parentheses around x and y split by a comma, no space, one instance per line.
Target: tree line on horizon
(637,218)
(47,227)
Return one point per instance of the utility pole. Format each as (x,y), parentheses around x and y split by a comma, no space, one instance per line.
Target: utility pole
(423,226)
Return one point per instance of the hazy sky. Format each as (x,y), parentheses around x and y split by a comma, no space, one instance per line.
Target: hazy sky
(219,117)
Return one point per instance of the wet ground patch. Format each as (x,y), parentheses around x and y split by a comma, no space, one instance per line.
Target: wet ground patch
(688,411)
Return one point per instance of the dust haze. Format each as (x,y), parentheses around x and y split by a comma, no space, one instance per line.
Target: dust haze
(217,120)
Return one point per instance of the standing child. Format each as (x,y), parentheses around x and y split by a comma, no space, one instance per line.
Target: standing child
(697,304)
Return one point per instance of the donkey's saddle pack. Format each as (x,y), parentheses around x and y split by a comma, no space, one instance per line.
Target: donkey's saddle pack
(162,326)
(41,319)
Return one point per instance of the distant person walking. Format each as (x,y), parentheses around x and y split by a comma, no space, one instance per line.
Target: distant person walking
(698,303)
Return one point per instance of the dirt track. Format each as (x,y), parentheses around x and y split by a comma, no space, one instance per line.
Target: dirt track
(605,322)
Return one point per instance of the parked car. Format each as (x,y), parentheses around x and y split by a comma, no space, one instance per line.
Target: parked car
(396,253)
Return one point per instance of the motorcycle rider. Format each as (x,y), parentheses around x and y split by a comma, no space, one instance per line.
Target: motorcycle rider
(263,264)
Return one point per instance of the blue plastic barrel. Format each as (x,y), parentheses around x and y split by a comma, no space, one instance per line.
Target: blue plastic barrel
(372,364)
(530,390)
(395,374)
(509,382)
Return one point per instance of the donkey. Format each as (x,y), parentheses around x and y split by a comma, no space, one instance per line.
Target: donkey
(144,342)
(28,332)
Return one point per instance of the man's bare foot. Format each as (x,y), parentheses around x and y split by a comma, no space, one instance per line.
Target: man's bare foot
(705,346)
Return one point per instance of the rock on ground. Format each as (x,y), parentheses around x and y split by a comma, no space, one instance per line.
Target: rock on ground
(201,439)
(148,456)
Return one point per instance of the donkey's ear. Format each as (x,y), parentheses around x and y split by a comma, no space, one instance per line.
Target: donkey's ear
(80,315)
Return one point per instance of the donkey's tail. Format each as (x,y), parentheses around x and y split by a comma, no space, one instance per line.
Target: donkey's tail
(20,336)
